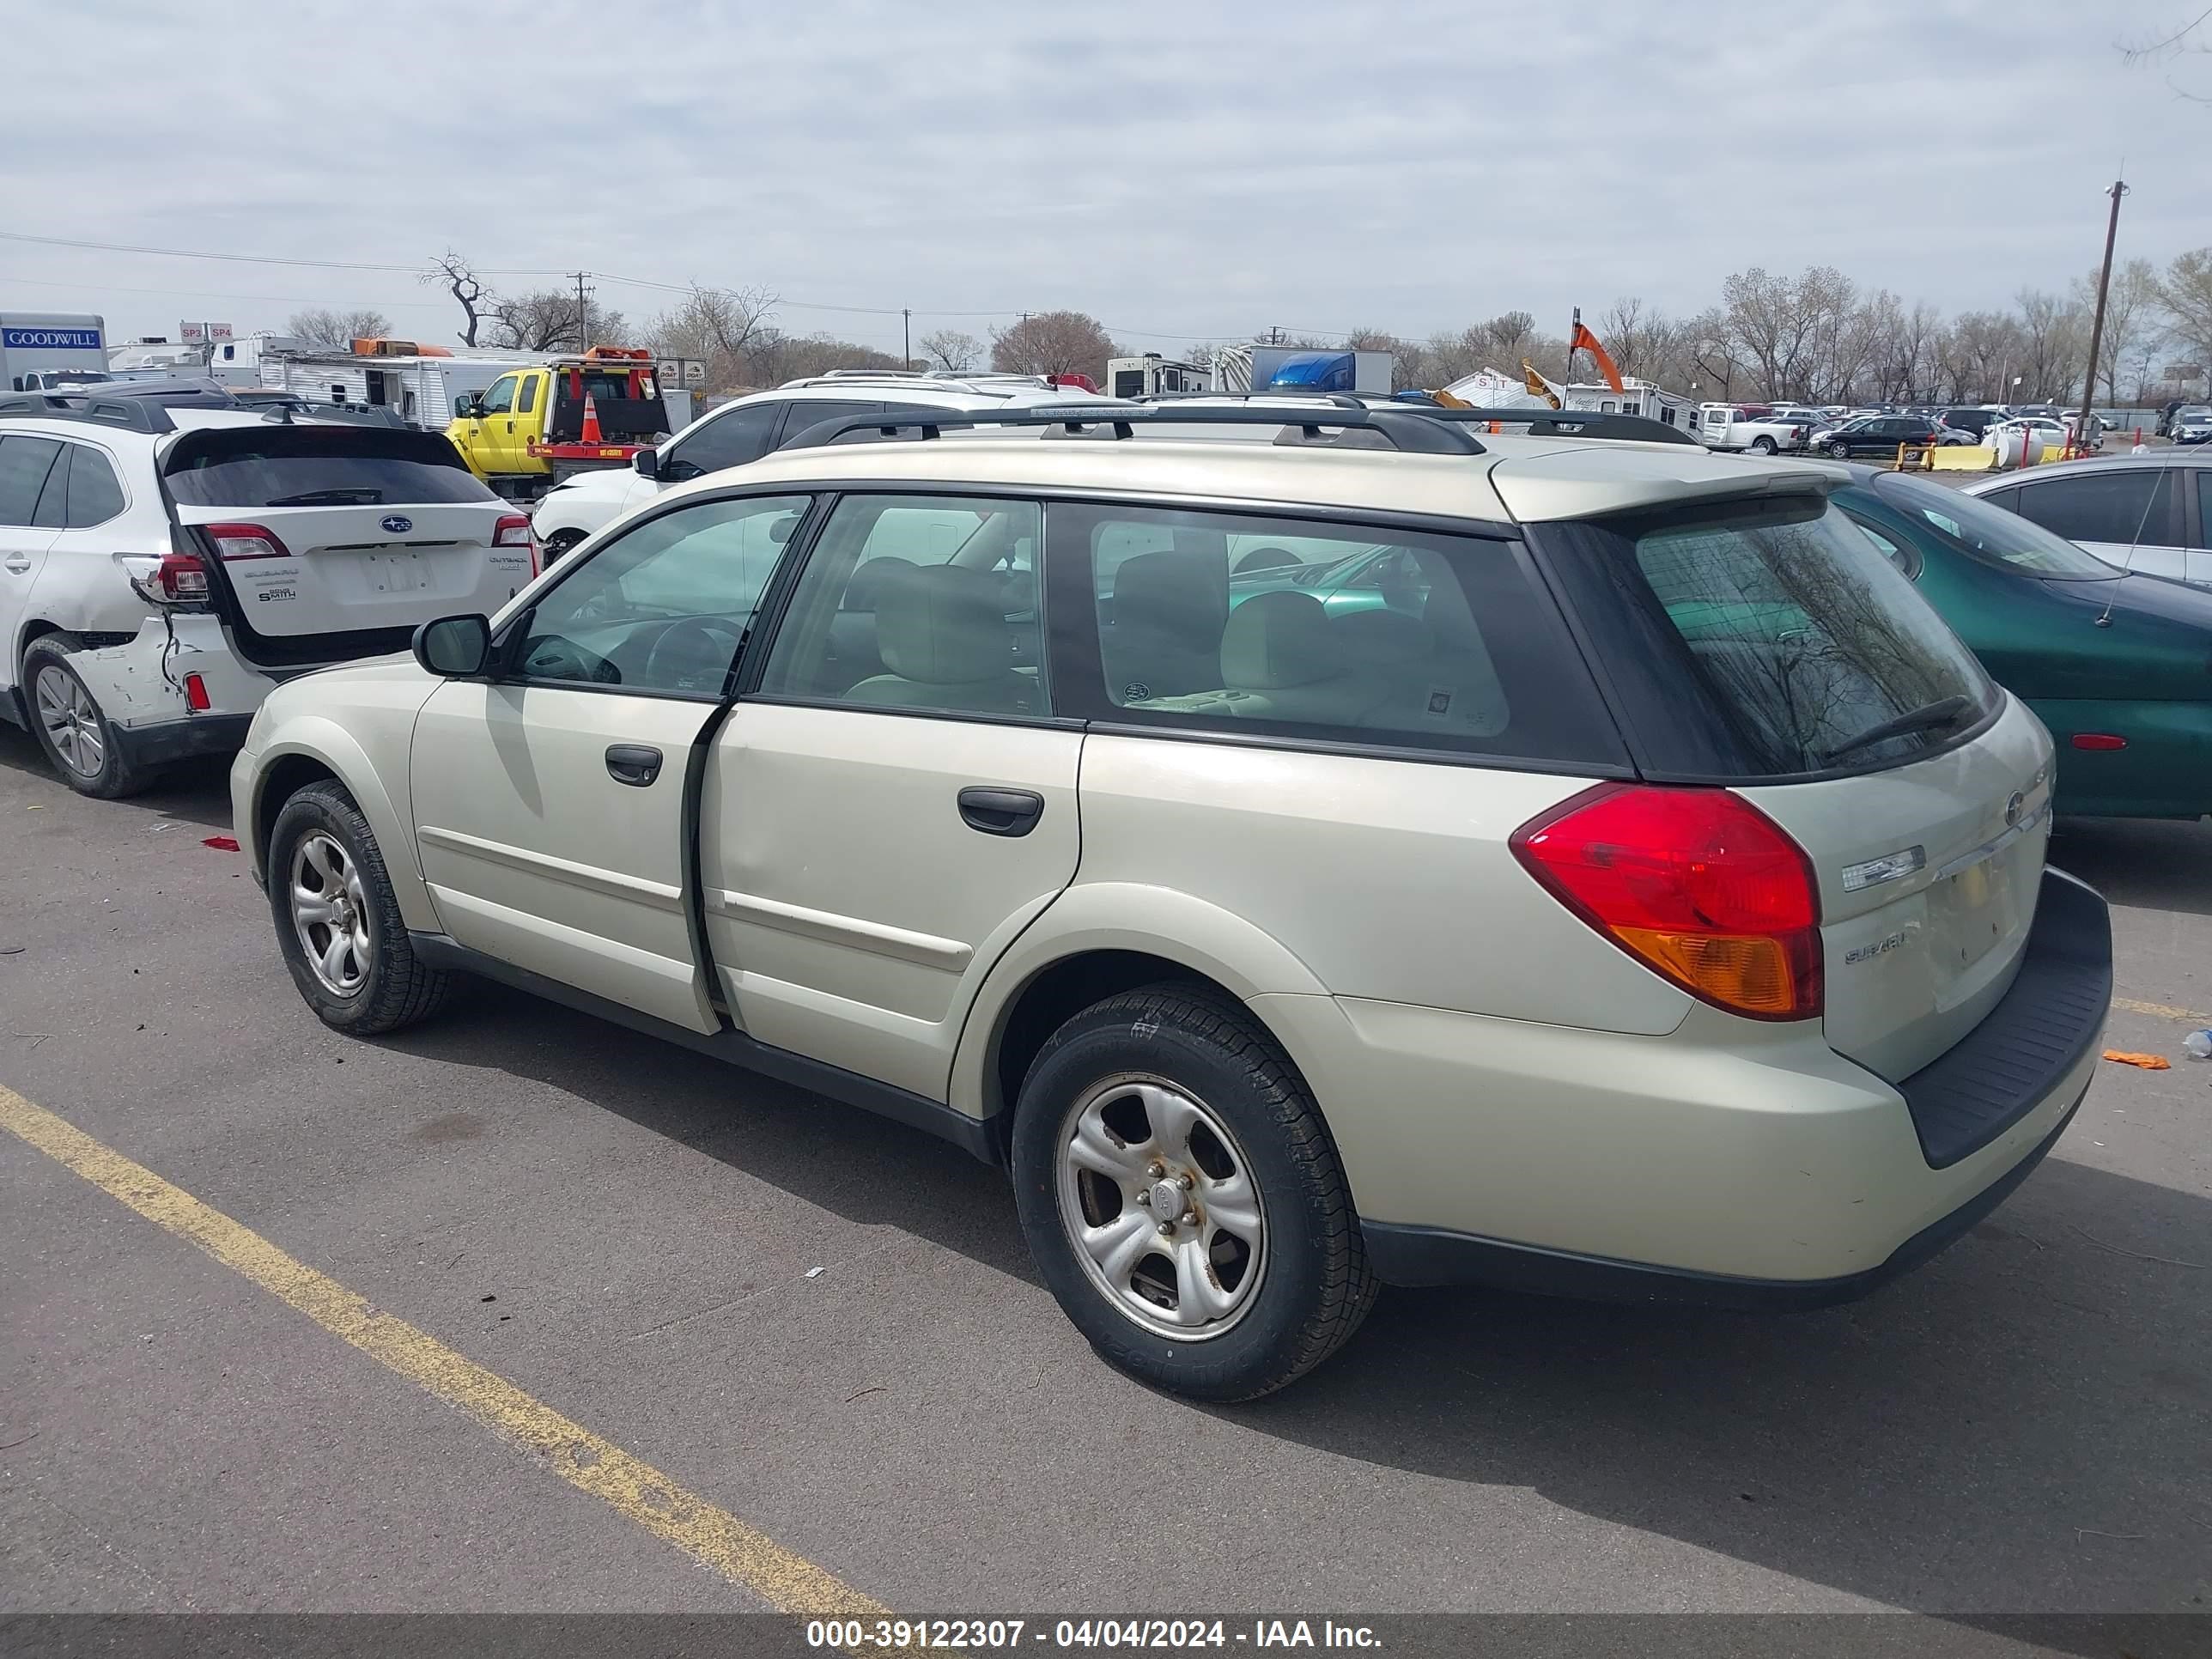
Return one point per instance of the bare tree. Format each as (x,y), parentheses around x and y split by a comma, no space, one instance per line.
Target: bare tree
(724,328)
(1642,340)
(2132,330)
(460,280)
(546,320)
(786,357)
(2054,336)
(951,350)
(2184,293)
(1052,343)
(337,330)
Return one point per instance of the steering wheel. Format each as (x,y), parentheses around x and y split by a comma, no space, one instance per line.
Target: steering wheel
(692,654)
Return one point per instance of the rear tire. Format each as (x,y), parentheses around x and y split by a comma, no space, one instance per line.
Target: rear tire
(78,740)
(338,920)
(1261,1272)
(1763,444)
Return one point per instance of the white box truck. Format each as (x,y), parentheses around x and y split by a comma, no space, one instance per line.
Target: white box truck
(43,350)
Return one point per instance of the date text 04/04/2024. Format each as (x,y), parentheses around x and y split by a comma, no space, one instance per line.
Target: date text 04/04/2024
(894,1634)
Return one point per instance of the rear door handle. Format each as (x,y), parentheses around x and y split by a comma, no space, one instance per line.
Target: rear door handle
(1000,812)
(20,563)
(635,764)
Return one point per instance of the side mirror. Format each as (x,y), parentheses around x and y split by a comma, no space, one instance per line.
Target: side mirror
(646,464)
(469,407)
(454,646)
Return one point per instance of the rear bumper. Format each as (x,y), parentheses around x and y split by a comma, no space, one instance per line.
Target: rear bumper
(1728,1161)
(164,741)
(1429,1255)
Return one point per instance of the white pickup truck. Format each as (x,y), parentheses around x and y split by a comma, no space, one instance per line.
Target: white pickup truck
(1724,426)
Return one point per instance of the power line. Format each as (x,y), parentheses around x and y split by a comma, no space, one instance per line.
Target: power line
(549,271)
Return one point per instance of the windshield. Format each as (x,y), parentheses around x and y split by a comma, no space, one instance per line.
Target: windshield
(1975,527)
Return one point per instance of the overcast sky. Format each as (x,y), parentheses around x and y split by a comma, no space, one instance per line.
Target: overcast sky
(1195,170)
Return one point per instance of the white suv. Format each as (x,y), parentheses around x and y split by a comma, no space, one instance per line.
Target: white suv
(746,428)
(165,560)
(1573,864)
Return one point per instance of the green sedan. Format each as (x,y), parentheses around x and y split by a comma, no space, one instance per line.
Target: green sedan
(2119,667)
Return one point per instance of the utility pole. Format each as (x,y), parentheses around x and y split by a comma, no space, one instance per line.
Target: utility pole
(2097,326)
(906,315)
(583,314)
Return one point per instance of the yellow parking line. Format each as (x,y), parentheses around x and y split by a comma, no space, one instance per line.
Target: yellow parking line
(2162,1010)
(635,1490)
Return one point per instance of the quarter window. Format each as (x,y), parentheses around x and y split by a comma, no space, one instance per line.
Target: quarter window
(1389,637)
(94,494)
(664,607)
(916,602)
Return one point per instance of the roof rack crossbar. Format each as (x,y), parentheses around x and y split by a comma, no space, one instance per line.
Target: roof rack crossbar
(1408,431)
(134,414)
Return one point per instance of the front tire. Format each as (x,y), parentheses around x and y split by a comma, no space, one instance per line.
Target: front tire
(1183,1199)
(1839,452)
(79,741)
(338,920)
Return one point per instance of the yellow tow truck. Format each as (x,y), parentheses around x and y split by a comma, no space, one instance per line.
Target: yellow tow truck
(535,426)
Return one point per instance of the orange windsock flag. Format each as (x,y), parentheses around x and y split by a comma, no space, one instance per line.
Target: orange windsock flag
(1586,341)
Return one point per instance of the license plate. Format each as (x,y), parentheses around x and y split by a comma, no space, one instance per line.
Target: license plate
(399,572)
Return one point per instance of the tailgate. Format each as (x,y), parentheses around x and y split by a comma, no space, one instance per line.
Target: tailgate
(1928,875)
(335,530)
(340,569)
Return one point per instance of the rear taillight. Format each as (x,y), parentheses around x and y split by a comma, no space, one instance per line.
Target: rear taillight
(234,541)
(513,530)
(180,579)
(1697,884)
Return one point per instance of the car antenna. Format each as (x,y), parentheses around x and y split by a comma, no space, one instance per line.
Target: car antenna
(2127,564)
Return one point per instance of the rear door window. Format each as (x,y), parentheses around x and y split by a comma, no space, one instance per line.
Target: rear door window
(2126,506)
(1764,641)
(1345,633)
(24,464)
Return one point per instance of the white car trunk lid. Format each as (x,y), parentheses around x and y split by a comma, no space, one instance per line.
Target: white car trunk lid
(343,568)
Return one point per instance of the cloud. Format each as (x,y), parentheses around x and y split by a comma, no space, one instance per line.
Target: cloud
(1202,170)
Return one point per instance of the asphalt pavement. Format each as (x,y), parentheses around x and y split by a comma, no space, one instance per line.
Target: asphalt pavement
(827,1328)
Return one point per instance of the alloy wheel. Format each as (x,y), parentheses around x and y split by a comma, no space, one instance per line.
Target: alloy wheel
(330,913)
(70,721)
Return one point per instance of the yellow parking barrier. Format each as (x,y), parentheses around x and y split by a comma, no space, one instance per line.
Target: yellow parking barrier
(1913,457)
(1962,457)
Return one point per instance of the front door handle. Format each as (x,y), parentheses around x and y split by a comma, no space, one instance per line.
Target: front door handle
(1000,812)
(635,764)
(20,563)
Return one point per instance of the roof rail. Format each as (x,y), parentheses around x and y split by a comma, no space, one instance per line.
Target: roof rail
(1409,431)
(1561,422)
(145,415)
(1332,399)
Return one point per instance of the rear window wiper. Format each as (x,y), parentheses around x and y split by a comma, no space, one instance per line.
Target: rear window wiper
(1928,717)
(354,496)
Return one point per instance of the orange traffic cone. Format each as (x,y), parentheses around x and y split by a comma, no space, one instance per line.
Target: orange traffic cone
(591,434)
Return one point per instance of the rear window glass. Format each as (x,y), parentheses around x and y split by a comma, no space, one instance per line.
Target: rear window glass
(1974,527)
(318,467)
(1240,625)
(1765,642)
